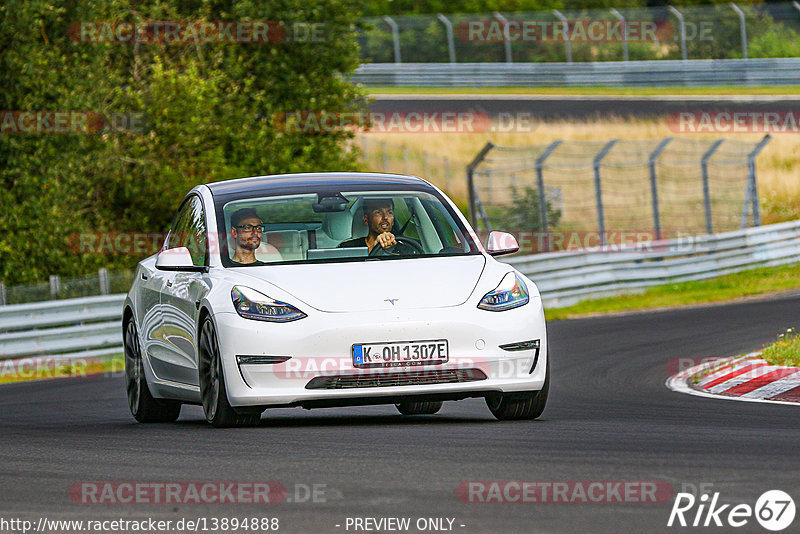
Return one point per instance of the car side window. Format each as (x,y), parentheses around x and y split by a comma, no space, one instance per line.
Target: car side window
(189,231)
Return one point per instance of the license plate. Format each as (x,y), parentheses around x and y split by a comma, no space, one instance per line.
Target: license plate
(400,354)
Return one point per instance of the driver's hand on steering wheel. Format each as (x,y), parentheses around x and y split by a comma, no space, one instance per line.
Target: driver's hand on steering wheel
(386,239)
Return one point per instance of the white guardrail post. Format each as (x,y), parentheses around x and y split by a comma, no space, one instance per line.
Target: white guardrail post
(742,28)
(451,45)
(598,189)
(706,192)
(567,42)
(651,163)
(506,35)
(395,37)
(752,183)
(682,29)
(624,33)
(540,185)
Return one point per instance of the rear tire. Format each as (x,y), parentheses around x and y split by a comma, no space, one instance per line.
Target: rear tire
(144,407)
(217,409)
(523,405)
(419,407)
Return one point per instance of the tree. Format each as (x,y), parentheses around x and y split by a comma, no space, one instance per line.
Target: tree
(209,112)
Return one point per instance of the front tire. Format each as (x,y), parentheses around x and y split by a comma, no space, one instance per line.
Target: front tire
(418,407)
(217,409)
(523,405)
(144,407)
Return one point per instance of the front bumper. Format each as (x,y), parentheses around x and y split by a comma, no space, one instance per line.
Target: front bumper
(320,368)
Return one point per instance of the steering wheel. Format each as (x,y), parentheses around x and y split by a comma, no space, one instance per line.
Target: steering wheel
(404,245)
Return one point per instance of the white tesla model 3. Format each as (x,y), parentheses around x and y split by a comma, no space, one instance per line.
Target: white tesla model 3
(330,289)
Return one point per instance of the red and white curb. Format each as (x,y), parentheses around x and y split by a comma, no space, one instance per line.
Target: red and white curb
(744,378)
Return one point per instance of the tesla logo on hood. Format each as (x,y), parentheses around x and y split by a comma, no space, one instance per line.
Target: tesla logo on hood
(391,301)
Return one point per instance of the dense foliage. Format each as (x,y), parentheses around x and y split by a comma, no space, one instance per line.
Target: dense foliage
(207,112)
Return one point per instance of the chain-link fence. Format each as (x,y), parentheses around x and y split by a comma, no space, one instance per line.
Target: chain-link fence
(721,31)
(568,193)
(383,156)
(102,283)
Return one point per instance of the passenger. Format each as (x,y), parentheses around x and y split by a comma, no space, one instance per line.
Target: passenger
(246,230)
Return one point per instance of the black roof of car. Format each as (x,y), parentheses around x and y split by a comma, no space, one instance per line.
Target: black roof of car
(313,182)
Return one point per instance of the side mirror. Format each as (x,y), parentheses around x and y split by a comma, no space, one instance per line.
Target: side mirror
(177,259)
(499,243)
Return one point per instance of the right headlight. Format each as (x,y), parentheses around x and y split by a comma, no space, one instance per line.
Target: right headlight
(510,293)
(251,304)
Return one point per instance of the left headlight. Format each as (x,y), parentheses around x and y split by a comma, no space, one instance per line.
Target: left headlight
(510,293)
(251,304)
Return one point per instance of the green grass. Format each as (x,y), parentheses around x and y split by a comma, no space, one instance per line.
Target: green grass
(724,288)
(598,91)
(785,351)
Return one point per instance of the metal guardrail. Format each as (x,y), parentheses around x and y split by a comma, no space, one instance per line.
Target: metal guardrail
(565,278)
(695,72)
(71,328)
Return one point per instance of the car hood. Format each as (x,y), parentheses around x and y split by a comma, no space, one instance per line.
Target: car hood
(373,285)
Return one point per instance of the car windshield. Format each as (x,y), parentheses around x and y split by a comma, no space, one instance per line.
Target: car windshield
(335,226)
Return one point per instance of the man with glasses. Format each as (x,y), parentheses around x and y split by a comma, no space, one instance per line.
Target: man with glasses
(246,230)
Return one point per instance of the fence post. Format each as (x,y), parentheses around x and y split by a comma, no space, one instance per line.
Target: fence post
(385,156)
(598,190)
(567,43)
(752,183)
(395,37)
(447,175)
(706,192)
(3,299)
(742,28)
(542,197)
(405,159)
(654,186)
(426,166)
(506,36)
(55,286)
(682,27)
(624,33)
(365,147)
(105,288)
(451,46)
(473,214)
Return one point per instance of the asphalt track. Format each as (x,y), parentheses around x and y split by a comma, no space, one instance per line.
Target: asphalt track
(610,417)
(548,107)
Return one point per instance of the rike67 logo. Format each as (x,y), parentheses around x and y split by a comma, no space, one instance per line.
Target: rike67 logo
(774,510)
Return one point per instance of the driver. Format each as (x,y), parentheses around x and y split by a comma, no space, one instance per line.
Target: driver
(378,215)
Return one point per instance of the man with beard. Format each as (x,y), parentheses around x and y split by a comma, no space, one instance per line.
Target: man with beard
(378,215)
(246,231)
